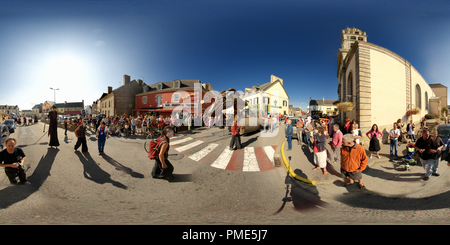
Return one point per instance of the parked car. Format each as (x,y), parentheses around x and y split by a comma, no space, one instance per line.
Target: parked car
(4,134)
(10,124)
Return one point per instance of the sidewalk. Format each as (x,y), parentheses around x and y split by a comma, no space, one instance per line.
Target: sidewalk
(382,176)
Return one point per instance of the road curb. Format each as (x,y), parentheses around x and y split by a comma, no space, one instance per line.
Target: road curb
(291,172)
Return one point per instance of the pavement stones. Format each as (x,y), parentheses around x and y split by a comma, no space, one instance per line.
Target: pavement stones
(382,176)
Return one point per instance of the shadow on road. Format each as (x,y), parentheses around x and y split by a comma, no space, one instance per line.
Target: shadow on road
(17,193)
(94,173)
(122,168)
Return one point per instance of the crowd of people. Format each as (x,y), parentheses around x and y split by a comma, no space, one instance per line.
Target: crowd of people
(315,135)
(345,145)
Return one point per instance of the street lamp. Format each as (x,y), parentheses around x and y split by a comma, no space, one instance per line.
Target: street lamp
(54,93)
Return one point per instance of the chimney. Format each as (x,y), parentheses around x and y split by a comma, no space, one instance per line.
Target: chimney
(126,79)
(109,89)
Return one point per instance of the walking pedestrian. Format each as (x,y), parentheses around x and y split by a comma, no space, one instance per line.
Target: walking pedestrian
(393,136)
(320,151)
(80,133)
(336,143)
(374,135)
(102,135)
(429,150)
(353,161)
(12,160)
(163,169)
(289,132)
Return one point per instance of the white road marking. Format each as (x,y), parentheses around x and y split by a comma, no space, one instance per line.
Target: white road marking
(250,163)
(269,152)
(223,160)
(189,146)
(201,154)
(176,142)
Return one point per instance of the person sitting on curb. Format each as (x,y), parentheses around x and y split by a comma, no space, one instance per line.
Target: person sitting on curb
(353,161)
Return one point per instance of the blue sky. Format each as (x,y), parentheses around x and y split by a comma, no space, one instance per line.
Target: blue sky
(82,47)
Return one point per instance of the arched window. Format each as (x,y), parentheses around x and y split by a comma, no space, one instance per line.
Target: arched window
(426,100)
(350,87)
(418,97)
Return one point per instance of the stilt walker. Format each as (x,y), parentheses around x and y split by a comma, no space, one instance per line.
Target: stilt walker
(52,128)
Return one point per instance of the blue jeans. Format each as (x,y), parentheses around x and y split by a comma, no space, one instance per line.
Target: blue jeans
(101,144)
(308,139)
(430,166)
(289,140)
(394,143)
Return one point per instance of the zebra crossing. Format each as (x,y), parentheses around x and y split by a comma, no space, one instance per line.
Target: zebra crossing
(248,159)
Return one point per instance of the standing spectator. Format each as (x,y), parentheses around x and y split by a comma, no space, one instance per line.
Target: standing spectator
(400,127)
(410,129)
(300,130)
(133,125)
(102,135)
(353,161)
(320,151)
(235,138)
(65,126)
(374,135)
(393,136)
(336,143)
(347,125)
(308,130)
(356,133)
(289,132)
(429,150)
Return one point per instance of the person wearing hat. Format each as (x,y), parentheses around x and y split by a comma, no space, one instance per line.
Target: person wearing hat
(53,128)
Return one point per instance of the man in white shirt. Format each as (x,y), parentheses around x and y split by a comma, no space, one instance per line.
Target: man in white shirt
(393,137)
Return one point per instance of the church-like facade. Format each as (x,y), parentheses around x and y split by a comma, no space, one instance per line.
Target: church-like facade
(382,85)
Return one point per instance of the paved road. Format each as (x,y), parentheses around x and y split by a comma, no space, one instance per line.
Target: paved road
(70,187)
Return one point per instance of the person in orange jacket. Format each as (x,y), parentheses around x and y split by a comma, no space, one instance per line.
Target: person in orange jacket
(353,161)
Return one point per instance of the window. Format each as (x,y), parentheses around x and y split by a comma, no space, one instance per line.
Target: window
(176,98)
(145,89)
(159,86)
(144,100)
(418,97)
(158,98)
(426,100)
(177,84)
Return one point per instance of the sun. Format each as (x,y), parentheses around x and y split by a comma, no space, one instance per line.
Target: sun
(64,69)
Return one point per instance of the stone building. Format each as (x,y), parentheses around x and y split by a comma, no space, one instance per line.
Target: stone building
(122,99)
(381,84)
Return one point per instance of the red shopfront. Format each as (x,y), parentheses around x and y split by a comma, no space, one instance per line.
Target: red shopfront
(163,103)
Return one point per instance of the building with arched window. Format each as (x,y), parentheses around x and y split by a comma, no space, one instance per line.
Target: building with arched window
(382,85)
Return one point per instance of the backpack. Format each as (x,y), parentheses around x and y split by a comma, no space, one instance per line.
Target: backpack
(234,130)
(153,151)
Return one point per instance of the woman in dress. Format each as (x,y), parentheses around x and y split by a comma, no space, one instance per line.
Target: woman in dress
(320,151)
(374,135)
(53,128)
